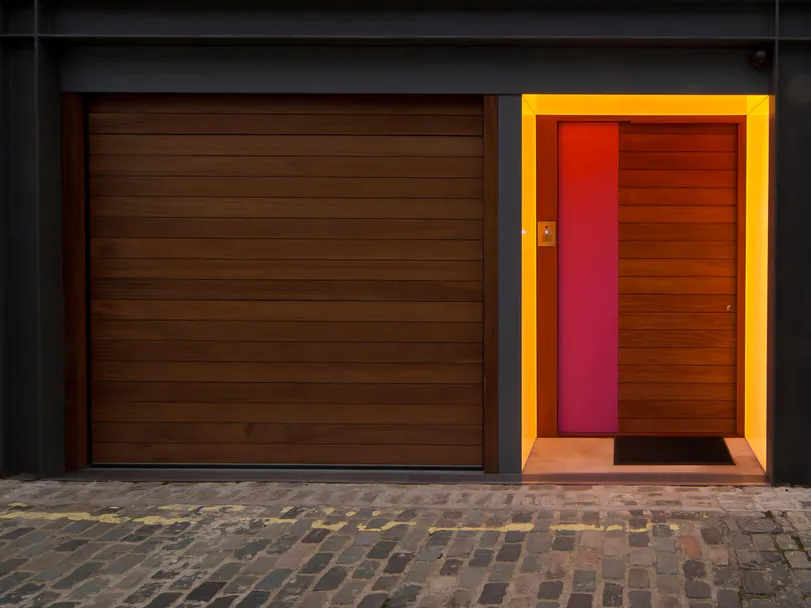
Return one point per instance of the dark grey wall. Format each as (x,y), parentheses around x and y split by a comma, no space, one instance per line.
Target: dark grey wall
(509,284)
(21,352)
(4,193)
(33,395)
(791,351)
(404,69)
(535,20)
(611,46)
(49,269)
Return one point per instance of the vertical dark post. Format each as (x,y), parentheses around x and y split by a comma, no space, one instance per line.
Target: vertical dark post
(74,227)
(791,386)
(21,306)
(509,283)
(4,422)
(51,424)
(491,368)
(33,265)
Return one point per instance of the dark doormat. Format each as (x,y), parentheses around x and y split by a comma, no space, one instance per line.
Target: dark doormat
(671,451)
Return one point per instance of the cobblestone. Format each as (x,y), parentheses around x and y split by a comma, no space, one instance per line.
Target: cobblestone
(245,545)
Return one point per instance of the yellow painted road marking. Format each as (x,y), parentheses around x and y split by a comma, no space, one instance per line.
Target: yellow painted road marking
(157,520)
(107,518)
(322,525)
(204,509)
(613,527)
(387,526)
(113,518)
(505,528)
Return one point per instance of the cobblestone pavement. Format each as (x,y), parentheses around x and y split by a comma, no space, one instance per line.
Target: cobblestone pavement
(247,545)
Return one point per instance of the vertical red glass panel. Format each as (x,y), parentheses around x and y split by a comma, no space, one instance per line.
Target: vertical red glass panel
(588,268)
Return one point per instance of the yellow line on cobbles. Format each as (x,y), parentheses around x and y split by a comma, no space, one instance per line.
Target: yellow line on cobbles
(322,525)
(610,528)
(205,509)
(112,518)
(107,518)
(504,528)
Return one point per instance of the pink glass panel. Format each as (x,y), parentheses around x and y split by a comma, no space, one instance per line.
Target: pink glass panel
(588,306)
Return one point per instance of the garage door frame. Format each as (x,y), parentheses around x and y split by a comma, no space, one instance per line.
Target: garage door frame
(75,255)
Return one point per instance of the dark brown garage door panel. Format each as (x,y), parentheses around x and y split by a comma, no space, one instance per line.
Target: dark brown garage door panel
(678,278)
(286,280)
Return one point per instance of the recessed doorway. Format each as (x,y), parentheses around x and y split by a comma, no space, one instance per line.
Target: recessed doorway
(641,294)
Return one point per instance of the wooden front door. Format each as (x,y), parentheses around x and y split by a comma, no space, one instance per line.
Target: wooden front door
(678,215)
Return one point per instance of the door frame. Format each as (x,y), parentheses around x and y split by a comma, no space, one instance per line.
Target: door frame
(75,272)
(547,263)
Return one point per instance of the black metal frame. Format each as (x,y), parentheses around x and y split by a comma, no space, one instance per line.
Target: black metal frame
(503,47)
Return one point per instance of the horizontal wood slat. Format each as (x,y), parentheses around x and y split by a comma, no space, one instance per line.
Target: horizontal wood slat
(286,280)
(339,454)
(669,410)
(677,268)
(285,124)
(288,434)
(693,197)
(364,105)
(677,356)
(365,352)
(677,178)
(677,320)
(676,251)
(334,372)
(677,285)
(215,289)
(199,310)
(676,338)
(697,392)
(282,166)
(315,331)
(281,145)
(678,161)
(686,374)
(288,187)
(678,214)
(286,249)
(438,395)
(295,208)
(679,232)
(254,228)
(679,426)
(298,270)
(273,413)
(677,303)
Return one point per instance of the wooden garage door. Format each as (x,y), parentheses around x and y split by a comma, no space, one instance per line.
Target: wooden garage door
(678,278)
(286,280)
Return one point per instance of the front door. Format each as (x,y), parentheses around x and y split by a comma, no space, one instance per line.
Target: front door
(646,215)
